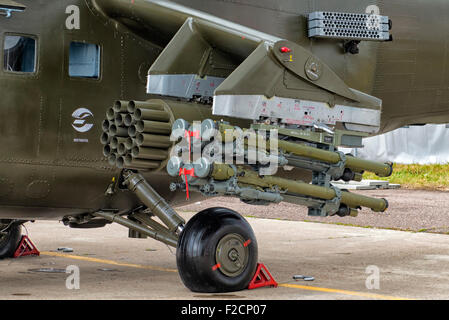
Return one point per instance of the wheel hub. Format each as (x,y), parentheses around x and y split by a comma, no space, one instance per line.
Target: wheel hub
(232,255)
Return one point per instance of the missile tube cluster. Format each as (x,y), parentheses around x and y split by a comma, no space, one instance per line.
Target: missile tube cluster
(136,134)
(214,176)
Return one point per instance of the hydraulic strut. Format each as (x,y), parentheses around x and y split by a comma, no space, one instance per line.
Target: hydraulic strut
(140,221)
(136,183)
(159,235)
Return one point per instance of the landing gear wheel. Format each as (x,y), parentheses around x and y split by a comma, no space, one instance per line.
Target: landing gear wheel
(9,239)
(217,252)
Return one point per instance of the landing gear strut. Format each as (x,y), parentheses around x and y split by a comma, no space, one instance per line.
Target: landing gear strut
(10,235)
(216,249)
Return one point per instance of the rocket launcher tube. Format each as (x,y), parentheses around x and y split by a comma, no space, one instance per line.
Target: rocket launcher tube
(149,153)
(117,131)
(153,127)
(120,106)
(140,163)
(130,143)
(154,115)
(133,105)
(152,140)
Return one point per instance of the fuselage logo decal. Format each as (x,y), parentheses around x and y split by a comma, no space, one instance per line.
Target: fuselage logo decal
(80,123)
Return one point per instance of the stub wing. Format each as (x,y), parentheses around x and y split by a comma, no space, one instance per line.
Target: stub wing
(245,73)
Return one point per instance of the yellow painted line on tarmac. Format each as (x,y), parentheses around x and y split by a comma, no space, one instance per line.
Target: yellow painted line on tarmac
(285,285)
(104,261)
(346,292)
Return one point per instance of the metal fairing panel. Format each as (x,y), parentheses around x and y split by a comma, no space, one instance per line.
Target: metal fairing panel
(314,94)
(291,111)
(183,86)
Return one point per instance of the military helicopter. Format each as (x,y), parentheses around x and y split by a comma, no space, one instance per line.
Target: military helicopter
(96,96)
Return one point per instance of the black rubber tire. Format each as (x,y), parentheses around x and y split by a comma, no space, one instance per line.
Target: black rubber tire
(196,253)
(9,243)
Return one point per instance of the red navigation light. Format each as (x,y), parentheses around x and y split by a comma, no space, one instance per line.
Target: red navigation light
(286,50)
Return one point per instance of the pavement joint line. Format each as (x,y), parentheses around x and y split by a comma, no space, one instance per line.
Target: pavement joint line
(285,285)
(105,261)
(346,292)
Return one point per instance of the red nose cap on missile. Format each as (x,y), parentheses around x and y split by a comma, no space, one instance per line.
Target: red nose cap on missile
(286,50)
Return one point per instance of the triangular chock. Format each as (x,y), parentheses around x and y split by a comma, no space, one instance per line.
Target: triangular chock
(26,248)
(262,278)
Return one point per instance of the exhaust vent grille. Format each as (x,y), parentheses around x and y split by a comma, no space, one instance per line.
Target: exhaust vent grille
(349,26)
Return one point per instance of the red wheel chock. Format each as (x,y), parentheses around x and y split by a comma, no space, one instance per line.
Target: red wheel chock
(26,248)
(262,278)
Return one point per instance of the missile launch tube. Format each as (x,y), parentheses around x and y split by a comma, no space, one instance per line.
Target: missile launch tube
(223,171)
(302,188)
(355,164)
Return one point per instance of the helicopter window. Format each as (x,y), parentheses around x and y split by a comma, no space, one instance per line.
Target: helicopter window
(19,54)
(84,60)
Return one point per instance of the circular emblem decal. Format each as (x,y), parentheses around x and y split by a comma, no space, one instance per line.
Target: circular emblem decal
(80,123)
